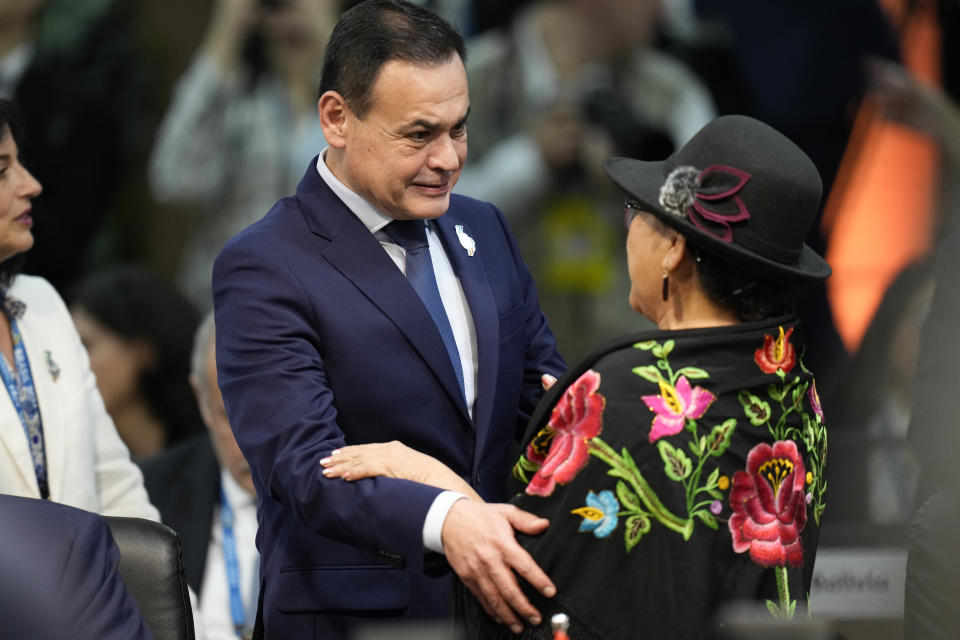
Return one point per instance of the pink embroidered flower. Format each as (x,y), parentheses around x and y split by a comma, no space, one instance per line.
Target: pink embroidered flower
(815,402)
(674,405)
(769,505)
(776,353)
(577,417)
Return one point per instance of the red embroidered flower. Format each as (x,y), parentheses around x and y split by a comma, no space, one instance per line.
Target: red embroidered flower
(769,506)
(776,353)
(577,417)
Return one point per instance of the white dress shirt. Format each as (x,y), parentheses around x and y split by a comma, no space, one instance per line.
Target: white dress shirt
(454,303)
(215,613)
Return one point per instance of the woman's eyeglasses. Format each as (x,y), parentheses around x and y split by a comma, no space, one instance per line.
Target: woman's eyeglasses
(630,210)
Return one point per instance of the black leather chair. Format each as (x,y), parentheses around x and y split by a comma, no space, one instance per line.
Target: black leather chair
(151,565)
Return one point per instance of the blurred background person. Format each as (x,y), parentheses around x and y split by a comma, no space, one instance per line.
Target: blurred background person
(73,70)
(566,84)
(932,584)
(204,492)
(138,329)
(242,123)
(59,440)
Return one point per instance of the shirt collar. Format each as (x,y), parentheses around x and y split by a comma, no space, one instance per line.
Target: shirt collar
(372,218)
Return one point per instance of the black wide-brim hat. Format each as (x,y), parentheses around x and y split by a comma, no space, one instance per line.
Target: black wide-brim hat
(739,190)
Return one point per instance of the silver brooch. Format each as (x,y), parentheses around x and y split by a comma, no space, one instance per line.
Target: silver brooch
(52,367)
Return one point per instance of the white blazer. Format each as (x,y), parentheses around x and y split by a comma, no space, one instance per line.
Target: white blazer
(88,465)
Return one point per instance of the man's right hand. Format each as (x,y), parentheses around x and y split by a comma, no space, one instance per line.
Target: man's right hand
(479,544)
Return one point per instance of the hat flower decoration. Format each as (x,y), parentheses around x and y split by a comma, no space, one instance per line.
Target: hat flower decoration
(690,192)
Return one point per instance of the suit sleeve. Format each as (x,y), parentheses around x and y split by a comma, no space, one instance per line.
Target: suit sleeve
(541,354)
(283,411)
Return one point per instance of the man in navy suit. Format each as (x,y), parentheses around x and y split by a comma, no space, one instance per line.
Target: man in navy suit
(60,578)
(326,337)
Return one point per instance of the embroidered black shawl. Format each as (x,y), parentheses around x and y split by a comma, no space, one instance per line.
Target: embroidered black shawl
(680,470)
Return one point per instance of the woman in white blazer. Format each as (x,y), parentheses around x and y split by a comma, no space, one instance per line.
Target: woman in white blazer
(56,439)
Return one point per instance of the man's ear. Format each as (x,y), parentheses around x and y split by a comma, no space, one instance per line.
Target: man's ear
(333,111)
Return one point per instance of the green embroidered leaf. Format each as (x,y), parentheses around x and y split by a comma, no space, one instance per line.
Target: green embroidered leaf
(757,410)
(667,348)
(646,345)
(629,463)
(519,474)
(708,519)
(528,465)
(773,608)
(648,372)
(809,435)
(720,436)
(676,464)
(798,394)
(657,351)
(715,493)
(775,392)
(703,440)
(713,478)
(694,448)
(693,373)
(628,498)
(636,526)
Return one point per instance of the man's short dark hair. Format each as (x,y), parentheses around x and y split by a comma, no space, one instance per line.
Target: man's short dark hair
(375,32)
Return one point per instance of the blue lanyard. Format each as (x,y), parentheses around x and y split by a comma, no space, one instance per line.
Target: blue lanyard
(233,566)
(23,395)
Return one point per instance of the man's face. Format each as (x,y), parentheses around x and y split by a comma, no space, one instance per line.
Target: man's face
(406,154)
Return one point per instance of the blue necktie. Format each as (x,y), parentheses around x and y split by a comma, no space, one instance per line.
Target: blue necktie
(412,236)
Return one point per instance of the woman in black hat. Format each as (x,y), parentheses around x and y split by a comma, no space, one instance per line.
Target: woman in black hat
(682,469)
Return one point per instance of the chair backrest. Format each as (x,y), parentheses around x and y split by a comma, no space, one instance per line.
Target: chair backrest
(151,565)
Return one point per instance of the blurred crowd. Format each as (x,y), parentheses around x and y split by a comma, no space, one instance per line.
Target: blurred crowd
(160,128)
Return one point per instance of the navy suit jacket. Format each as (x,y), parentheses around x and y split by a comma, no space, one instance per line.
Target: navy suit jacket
(322,342)
(60,578)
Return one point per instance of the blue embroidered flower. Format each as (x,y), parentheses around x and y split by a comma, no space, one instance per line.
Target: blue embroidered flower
(600,514)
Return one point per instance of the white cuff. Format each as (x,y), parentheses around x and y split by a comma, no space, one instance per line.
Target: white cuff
(436,515)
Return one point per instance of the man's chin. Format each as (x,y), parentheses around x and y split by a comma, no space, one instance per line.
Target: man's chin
(430,207)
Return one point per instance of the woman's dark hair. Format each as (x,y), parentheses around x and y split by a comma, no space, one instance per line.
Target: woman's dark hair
(139,305)
(748,297)
(10,125)
(375,32)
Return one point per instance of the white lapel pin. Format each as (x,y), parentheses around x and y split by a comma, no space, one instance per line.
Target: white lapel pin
(466,240)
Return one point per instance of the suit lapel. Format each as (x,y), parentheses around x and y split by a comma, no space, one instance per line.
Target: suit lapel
(469,269)
(357,254)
